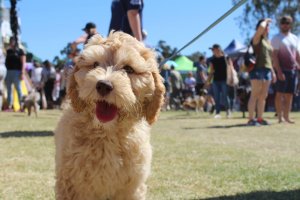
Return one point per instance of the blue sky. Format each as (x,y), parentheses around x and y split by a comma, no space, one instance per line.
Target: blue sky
(47,26)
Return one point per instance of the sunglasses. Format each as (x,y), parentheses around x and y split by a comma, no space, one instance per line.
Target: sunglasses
(286,23)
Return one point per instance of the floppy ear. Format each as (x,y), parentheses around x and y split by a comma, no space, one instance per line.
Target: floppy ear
(153,107)
(77,103)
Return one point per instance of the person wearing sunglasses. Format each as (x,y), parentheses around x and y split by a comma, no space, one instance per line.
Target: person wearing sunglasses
(286,61)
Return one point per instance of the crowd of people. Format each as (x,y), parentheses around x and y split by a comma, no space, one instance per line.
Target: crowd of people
(275,75)
(41,78)
(218,78)
(46,80)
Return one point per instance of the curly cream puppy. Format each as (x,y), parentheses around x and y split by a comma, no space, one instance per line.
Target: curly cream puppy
(102,141)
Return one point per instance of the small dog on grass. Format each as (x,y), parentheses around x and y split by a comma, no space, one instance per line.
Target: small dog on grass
(244,92)
(196,103)
(31,101)
(102,141)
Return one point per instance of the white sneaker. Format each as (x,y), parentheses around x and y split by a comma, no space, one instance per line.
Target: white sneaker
(218,116)
(228,115)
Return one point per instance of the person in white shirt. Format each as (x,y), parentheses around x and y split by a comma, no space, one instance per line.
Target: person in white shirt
(286,61)
(190,84)
(36,75)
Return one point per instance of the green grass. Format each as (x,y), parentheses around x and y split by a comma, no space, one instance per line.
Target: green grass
(195,157)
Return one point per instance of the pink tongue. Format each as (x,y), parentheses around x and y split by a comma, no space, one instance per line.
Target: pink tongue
(105,112)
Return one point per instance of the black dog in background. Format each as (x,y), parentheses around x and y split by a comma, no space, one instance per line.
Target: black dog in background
(243,92)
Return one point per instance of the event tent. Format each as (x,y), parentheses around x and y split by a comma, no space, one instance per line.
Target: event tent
(184,64)
(235,48)
(171,62)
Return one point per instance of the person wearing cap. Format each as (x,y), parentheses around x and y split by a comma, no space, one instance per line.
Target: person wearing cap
(286,60)
(218,75)
(127,17)
(90,29)
(262,74)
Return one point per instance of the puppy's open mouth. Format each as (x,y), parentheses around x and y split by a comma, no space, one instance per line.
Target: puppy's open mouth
(105,112)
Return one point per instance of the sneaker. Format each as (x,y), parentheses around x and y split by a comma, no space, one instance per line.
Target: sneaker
(253,122)
(228,114)
(263,122)
(217,116)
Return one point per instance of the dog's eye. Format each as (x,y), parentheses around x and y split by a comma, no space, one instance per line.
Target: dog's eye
(96,64)
(128,69)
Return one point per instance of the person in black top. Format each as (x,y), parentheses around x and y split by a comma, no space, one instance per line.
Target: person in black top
(127,17)
(218,72)
(15,63)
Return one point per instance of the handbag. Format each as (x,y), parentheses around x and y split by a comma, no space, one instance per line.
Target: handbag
(249,59)
(232,76)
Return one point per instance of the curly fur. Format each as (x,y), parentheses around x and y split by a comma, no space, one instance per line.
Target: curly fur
(97,160)
(31,101)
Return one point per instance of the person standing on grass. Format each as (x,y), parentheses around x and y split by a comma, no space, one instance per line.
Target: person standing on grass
(48,80)
(176,87)
(262,74)
(15,63)
(190,83)
(201,74)
(286,58)
(218,75)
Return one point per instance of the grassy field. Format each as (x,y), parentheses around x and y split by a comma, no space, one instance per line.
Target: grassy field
(195,158)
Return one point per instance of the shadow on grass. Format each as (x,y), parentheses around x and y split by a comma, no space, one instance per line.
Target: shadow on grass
(26,134)
(184,116)
(261,195)
(230,126)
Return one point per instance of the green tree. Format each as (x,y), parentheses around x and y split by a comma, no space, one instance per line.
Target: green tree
(165,49)
(195,56)
(258,9)
(14,20)
(60,62)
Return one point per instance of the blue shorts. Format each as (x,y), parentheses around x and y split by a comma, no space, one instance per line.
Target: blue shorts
(261,73)
(289,85)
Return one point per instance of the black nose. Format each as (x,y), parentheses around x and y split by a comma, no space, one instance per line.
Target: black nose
(104,87)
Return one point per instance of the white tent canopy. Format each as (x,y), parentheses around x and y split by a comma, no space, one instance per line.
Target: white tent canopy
(236,48)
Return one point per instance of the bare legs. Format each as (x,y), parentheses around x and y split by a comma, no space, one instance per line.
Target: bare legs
(283,106)
(258,97)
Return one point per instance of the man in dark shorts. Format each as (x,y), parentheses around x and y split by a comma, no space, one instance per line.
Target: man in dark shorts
(127,17)
(286,58)
(117,14)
